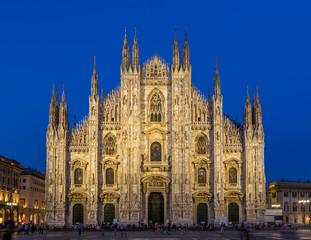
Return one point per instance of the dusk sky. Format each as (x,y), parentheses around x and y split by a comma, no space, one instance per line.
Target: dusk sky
(257,42)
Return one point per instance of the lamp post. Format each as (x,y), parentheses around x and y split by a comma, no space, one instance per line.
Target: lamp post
(11,204)
(303,202)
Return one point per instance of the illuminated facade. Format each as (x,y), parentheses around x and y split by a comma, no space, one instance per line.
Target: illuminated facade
(294,198)
(9,193)
(155,149)
(32,196)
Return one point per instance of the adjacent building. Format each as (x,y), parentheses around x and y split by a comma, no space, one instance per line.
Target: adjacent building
(32,196)
(156,148)
(294,198)
(9,189)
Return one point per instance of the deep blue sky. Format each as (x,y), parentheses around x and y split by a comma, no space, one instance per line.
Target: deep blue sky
(257,42)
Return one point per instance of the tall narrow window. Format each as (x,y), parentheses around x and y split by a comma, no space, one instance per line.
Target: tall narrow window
(155,151)
(232,175)
(78,176)
(110,146)
(202,175)
(109,176)
(155,108)
(201,146)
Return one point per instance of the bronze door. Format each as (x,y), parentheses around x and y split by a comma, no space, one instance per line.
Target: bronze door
(202,213)
(233,210)
(77,214)
(156,207)
(109,213)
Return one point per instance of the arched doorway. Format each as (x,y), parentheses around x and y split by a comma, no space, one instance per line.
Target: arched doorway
(109,213)
(156,207)
(77,214)
(233,212)
(202,213)
(7,215)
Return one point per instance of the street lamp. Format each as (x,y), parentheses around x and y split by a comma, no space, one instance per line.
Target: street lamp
(11,205)
(304,212)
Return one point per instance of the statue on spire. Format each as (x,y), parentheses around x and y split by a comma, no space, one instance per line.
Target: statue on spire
(125,54)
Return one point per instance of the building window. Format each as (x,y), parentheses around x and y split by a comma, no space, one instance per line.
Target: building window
(43,205)
(274,195)
(78,176)
(309,194)
(22,203)
(155,151)
(294,194)
(309,207)
(109,176)
(155,108)
(24,187)
(201,146)
(202,175)
(302,194)
(110,146)
(24,180)
(36,204)
(285,194)
(232,175)
(302,208)
(286,208)
(294,207)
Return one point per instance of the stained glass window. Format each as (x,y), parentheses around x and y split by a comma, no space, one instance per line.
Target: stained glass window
(155,151)
(202,176)
(78,176)
(201,146)
(155,108)
(109,176)
(110,146)
(232,175)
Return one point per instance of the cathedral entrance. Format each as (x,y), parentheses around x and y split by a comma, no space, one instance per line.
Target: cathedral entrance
(202,213)
(156,207)
(233,212)
(109,213)
(77,214)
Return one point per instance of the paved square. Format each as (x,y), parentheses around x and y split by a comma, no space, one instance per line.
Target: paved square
(191,235)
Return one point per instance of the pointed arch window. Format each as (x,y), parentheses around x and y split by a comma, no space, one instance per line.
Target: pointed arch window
(232,175)
(78,176)
(201,146)
(155,108)
(110,146)
(202,175)
(109,176)
(155,151)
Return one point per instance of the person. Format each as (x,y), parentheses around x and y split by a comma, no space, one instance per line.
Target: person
(115,229)
(222,226)
(156,226)
(8,229)
(80,229)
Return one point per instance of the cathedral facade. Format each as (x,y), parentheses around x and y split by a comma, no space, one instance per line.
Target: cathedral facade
(155,149)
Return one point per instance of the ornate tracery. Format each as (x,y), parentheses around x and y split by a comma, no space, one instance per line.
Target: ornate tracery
(201,147)
(155,108)
(110,146)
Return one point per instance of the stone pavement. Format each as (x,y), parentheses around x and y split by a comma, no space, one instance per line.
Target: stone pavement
(304,234)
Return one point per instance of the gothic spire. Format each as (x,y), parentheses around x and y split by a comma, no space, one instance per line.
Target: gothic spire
(125,54)
(185,53)
(135,52)
(63,112)
(257,109)
(63,95)
(94,82)
(175,52)
(247,113)
(216,80)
